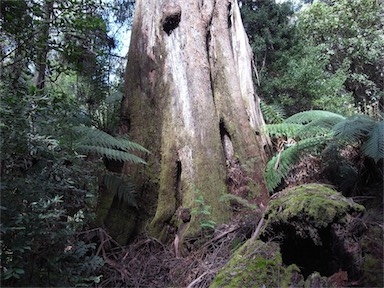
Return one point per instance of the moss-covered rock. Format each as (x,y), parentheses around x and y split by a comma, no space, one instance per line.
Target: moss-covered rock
(258,264)
(307,208)
(372,248)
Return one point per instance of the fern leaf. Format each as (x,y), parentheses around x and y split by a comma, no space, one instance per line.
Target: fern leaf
(289,157)
(132,146)
(312,115)
(374,146)
(96,137)
(112,154)
(122,187)
(354,128)
(283,129)
(273,114)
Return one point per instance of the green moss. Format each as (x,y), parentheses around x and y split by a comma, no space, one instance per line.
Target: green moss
(308,208)
(258,264)
(121,223)
(372,246)
(104,200)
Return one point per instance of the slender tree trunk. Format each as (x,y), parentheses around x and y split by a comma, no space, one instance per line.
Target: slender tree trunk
(190,100)
(43,46)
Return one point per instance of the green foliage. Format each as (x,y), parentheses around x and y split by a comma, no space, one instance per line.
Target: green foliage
(279,166)
(203,214)
(56,68)
(40,223)
(303,82)
(313,132)
(273,114)
(122,187)
(374,145)
(308,208)
(350,32)
(258,264)
(96,141)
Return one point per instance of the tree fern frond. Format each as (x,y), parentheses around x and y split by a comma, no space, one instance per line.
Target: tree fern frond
(111,153)
(272,113)
(276,171)
(131,146)
(320,126)
(312,115)
(283,129)
(89,135)
(374,146)
(99,142)
(122,187)
(354,128)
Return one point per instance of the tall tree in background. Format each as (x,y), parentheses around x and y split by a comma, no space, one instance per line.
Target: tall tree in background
(270,34)
(350,32)
(190,101)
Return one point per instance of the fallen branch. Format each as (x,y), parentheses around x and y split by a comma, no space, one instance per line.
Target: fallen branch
(258,228)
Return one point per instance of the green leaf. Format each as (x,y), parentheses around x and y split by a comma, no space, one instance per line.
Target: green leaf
(306,117)
(353,128)
(374,146)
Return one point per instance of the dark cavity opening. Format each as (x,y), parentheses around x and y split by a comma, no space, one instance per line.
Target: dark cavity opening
(178,184)
(229,15)
(171,21)
(226,141)
(327,259)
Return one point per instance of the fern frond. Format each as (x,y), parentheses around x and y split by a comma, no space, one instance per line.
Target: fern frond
(122,187)
(279,166)
(313,115)
(354,128)
(93,140)
(96,137)
(320,126)
(374,146)
(283,129)
(111,153)
(132,146)
(272,113)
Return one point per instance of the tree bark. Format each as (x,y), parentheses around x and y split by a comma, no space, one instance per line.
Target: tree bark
(43,46)
(190,100)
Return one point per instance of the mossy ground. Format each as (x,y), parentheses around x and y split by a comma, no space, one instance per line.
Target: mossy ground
(258,264)
(308,208)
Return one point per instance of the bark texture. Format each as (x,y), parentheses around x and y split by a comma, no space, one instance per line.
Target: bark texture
(190,100)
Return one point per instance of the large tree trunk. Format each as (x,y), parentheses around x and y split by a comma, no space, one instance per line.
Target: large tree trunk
(190,100)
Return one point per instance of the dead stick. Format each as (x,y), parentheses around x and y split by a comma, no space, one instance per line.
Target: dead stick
(258,228)
(197,280)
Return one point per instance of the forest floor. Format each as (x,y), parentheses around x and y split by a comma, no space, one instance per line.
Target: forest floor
(146,262)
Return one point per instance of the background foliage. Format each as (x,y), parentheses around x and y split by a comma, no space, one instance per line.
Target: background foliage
(60,87)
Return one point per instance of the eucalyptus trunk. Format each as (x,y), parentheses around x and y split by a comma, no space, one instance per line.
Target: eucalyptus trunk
(190,100)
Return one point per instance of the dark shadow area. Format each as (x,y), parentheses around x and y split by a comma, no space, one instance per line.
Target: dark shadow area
(171,21)
(328,258)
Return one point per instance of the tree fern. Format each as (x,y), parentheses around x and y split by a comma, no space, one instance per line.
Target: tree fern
(122,187)
(272,113)
(354,128)
(92,140)
(278,167)
(374,146)
(283,129)
(313,115)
